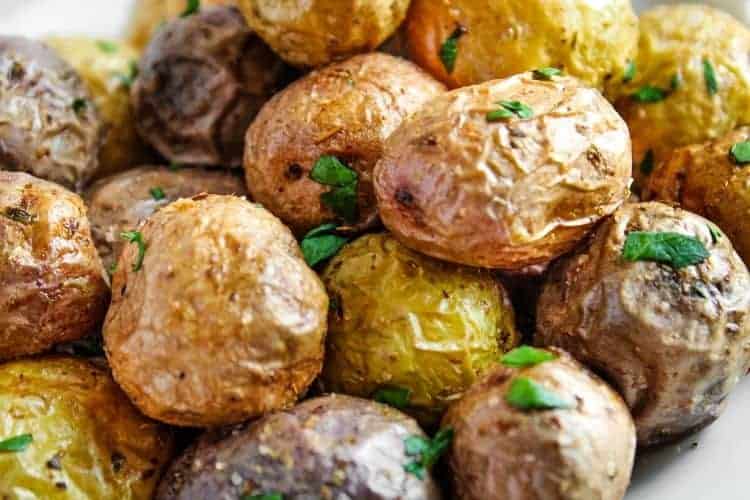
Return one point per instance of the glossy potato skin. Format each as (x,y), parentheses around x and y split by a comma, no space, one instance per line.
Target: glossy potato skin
(89,442)
(120,202)
(506,194)
(102,71)
(223,322)
(317,32)
(329,447)
(53,287)
(676,39)
(673,342)
(703,179)
(347,110)
(202,80)
(402,319)
(40,131)
(501,452)
(589,40)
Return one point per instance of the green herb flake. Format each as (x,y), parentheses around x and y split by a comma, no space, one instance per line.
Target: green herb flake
(174,166)
(630,71)
(499,115)
(449,49)
(264,496)
(137,238)
(193,7)
(649,94)
(526,356)
(546,74)
(426,451)
(343,198)
(106,46)
(79,105)
(19,215)
(525,394)
(16,443)
(715,233)
(712,85)
(739,153)
(398,397)
(157,193)
(321,244)
(127,80)
(647,164)
(112,269)
(674,249)
(508,109)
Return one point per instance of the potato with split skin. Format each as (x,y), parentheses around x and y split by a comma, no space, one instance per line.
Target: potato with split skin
(202,80)
(120,202)
(215,316)
(53,287)
(46,128)
(329,447)
(657,302)
(86,441)
(505,174)
(342,113)
(509,446)
(405,321)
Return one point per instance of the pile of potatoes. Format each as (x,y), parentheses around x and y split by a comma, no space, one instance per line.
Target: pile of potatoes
(382,249)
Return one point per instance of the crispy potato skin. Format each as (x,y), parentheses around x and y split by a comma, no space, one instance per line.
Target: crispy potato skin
(317,32)
(223,322)
(202,80)
(89,441)
(120,202)
(347,110)
(703,179)
(40,131)
(673,342)
(501,452)
(590,40)
(328,447)
(506,194)
(676,39)
(100,70)
(53,288)
(402,319)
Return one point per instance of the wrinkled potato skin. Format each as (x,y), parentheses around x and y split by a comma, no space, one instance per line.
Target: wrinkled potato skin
(676,39)
(703,179)
(202,80)
(501,452)
(79,418)
(673,354)
(224,321)
(53,287)
(120,202)
(318,32)
(329,447)
(40,131)
(589,40)
(100,71)
(347,110)
(406,320)
(507,194)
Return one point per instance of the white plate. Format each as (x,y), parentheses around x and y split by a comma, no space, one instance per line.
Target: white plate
(714,469)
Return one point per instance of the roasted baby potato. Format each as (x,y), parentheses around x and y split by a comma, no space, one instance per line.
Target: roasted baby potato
(328,447)
(202,80)
(580,444)
(317,32)
(657,302)
(402,320)
(85,439)
(106,68)
(464,42)
(46,128)
(345,111)
(710,180)
(504,174)
(120,202)
(691,82)
(53,287)
(215,316)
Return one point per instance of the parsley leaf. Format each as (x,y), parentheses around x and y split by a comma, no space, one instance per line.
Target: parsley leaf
(127,80)
(106,46)
(137,238)
(321,244)
(526,356)
(397,397)
(674,249)
(647,164)
(712,85)
(649,93)
(264,496)
(546,73)
(16,443)
(330,171)
(715,233)
(449,49)
(525,394)
(630,71)
(79,105)
(157,193)
(508,109)
(174,166)
(19,215)
(427,451)
(193,6)
(739,153)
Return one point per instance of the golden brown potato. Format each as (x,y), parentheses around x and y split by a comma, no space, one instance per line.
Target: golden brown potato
(467,180)
(665,320)
(681,48)
(88,441)
(704,179)
(105,67)
(53,287)
(463,42)
(581,448)
(346,110)
(120,202)
(215,318)
(317,32)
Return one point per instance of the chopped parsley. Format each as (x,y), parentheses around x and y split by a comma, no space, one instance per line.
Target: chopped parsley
(16,443)
(509,109)
(449,49)
(398,397)
(712,85)
(649,93)
(526,356)
(106,46)
(674,249)
(157,193)
(546,73)
(739,153)
(192,7)
(525,394)
(321,244)
(342,199)
(137,238)
(426,451)
(715,233)
(127,80)
(264,496)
